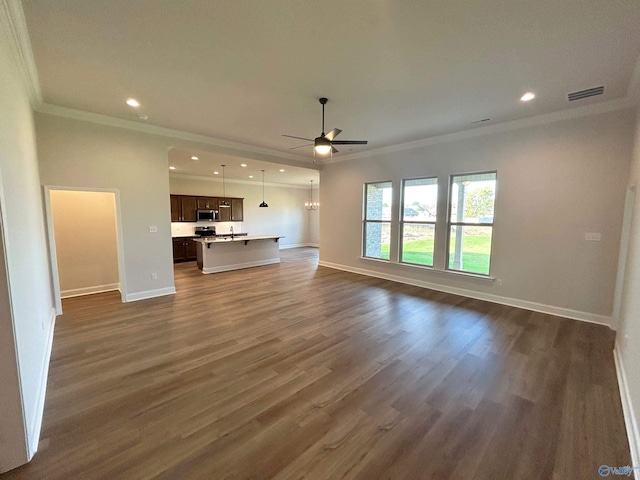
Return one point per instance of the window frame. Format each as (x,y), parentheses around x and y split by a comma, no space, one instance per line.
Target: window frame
(365,221)
(451,224)
(402,221)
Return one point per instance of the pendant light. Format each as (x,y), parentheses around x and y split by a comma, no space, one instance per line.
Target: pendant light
(223,203)
(263,204)
(311,205)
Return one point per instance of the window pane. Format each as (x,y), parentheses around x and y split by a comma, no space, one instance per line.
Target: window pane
(473,198)
(377,239)
(420,199)
(470,249)
(378,201)
(417,243)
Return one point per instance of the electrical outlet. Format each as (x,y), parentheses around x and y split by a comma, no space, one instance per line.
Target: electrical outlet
(154,276)
(592,237)
(153,229)
(625,342)
(499,282)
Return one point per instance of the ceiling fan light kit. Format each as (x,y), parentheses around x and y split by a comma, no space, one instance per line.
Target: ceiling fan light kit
(324,144)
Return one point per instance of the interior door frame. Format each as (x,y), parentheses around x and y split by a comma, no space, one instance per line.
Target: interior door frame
(52,240)
(627,221)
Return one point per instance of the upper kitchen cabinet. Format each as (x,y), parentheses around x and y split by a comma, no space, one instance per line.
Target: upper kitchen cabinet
(237,209)
(233,213)
(176,208)
(207,203)
(189,207)
(224,212)
(183,208)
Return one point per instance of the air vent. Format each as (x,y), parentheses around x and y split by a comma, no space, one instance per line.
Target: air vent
(589,92)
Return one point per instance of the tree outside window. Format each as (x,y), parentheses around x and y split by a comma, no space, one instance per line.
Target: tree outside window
(472,205)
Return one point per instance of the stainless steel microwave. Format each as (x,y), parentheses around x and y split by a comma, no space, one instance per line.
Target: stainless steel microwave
(207,215)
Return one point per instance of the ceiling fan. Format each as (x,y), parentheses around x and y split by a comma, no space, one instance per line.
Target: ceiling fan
(324,144)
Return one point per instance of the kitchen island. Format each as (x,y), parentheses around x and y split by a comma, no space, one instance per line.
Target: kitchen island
(217,254)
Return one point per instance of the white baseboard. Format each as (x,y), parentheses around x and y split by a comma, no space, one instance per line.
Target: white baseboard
(77,292)
(298,245)
(133,297)
(512,302)
(239,266)
(35,425)
(630,419)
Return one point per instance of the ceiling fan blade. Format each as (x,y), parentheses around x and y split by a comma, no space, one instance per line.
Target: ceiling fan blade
(334,149)
(300,146)
(350,142)
(333,134)
(299,138)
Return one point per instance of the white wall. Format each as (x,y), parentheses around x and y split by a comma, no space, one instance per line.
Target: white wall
(74,153)
(285,215)
(556,182)
(26,301)
(89,265)
(77,153)
(628,335)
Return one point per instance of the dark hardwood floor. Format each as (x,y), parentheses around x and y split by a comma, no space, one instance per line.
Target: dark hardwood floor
(296,371)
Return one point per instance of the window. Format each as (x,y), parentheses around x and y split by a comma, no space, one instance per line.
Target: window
(418,220)
(471,208)
(377,220)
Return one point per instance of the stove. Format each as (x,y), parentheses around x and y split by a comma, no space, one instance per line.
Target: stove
(206,231)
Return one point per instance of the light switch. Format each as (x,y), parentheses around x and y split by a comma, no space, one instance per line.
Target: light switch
(153,229)
(592,237)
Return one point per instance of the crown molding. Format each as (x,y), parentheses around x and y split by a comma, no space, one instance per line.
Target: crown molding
(235,149)
(14,25)
(257,183)
(567,114)
(631,100)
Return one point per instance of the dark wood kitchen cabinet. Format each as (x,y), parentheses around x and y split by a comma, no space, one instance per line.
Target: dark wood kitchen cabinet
(234,213)
(183,208)
(237,209)
(176,208)
(189,207)
(207,203)
(184,249)
(224,212)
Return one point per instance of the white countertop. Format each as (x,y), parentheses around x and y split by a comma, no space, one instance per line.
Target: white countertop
(242,238)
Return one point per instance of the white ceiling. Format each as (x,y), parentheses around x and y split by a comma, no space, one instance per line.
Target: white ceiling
(209,162)
(249,71)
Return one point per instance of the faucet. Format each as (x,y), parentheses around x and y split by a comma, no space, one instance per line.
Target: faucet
(231,231)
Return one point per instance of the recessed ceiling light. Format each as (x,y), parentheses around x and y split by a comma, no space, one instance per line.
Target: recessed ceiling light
(243,164)
(250,176)
(527,97)
(194,158)
(132,102)
(172,167)
(282,169)
(215,173)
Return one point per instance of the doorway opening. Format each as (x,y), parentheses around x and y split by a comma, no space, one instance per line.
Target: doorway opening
(85,239)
